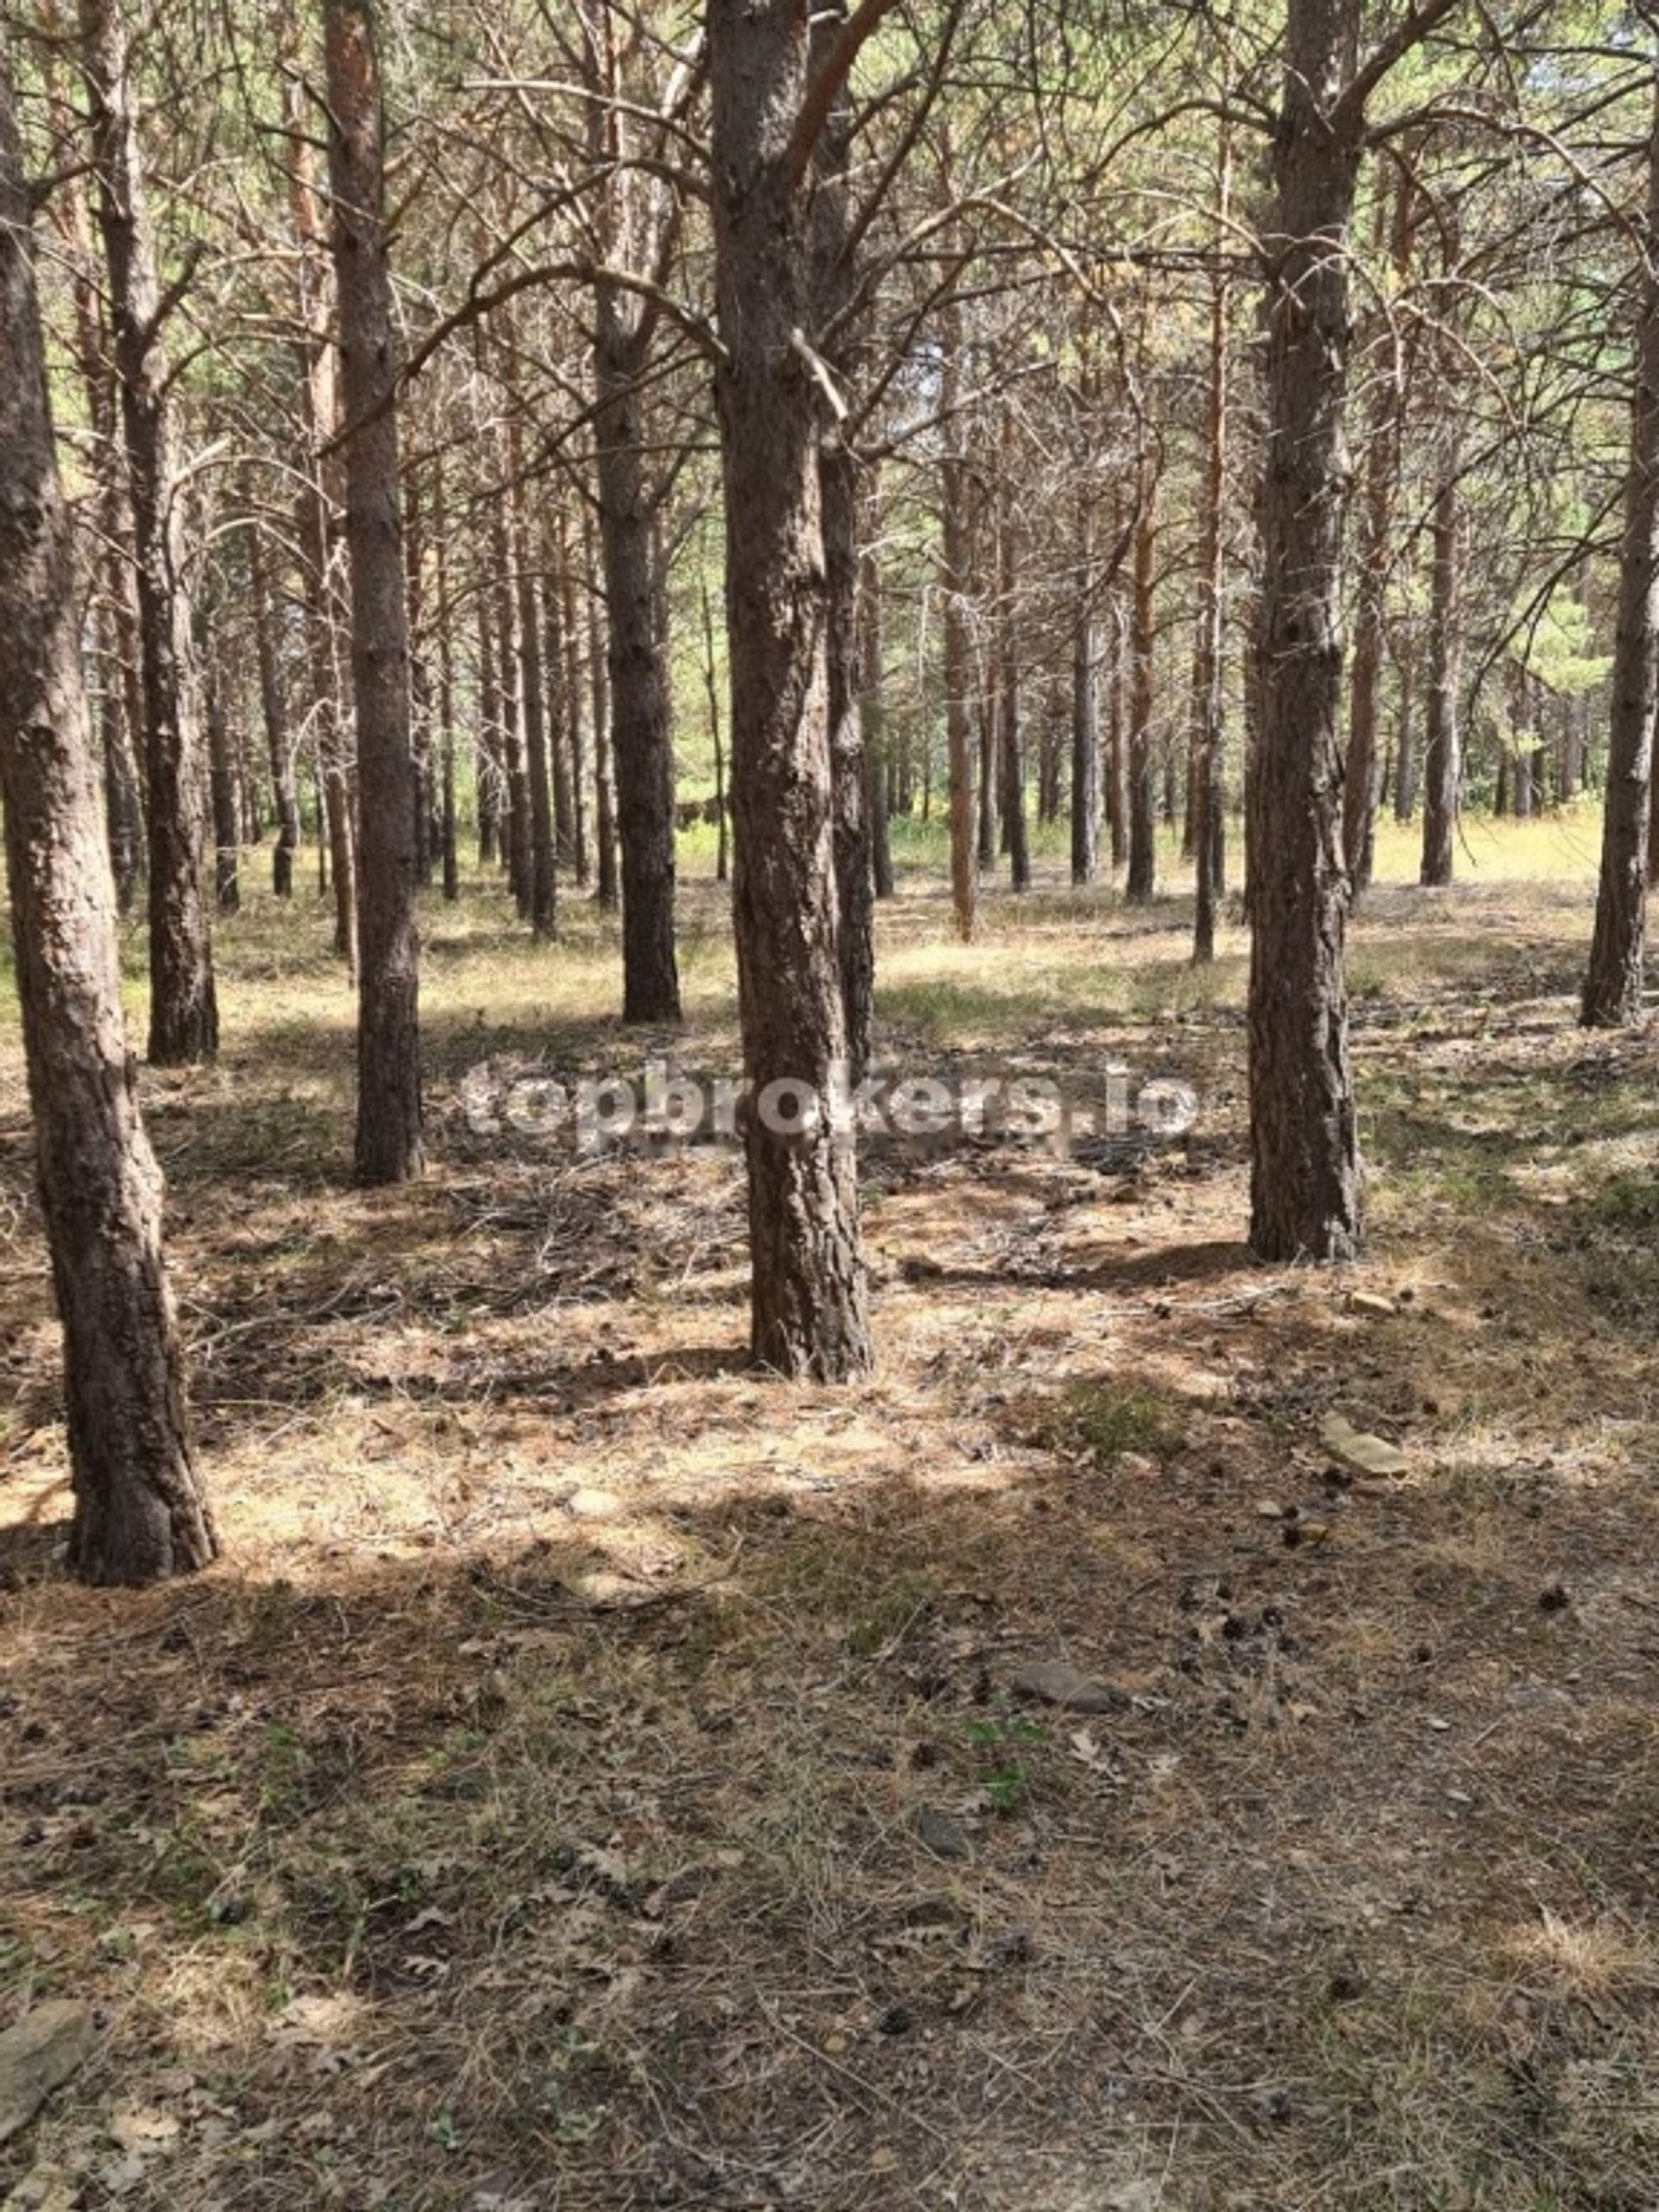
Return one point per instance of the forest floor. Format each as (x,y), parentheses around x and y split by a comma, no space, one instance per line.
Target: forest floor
(596,1778)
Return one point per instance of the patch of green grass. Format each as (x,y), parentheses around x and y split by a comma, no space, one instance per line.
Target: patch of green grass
(1101,1420)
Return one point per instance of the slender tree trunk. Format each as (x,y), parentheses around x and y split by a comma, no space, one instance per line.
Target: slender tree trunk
(320,499)
(183,1013)
(1304,1193)
(808,1295)
(1359,795)
(448,854)
(227,824)
(957,562)
(598,673)
(533,686)
(139,1512)
(576,765)
(388,1037)
(1405,773)
(563,716)
(273,703)
(1612,985)
(1209,793)
(486,750)
(712,688)
(1443,766)
(1009,730)
(1117,752)
(515,778)
(1142,822)
(1085,703)
(877,758)
(641,747)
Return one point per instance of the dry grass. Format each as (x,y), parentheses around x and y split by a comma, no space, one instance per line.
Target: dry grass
(543,1805)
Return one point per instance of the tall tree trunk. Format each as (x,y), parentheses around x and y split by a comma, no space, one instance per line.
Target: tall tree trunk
(1209,796)
(641,747)
(1009,730)
(486,750)
(388,1035)
(1612,985)
(577,765)
(320,501)
(1443,765)
(563,712)
(183,1011)
(877,754)
(515,778)
(711,686)
(533,687)
(227,823)
(957,560)
(1359,795)
(1405,773)
(139,1512)
(449,856)
(1117,750)
(808,1293)
(1085,703)
(1305,1189)
(599,677)
(273,705)
(1142,822)
(839,490)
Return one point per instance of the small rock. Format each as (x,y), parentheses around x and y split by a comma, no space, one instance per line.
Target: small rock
(1369,1303)
(1367,1455)
(1554,1599)
(1051,1682)
(592,1505)
(941,1834)
(1347,1983)
(1135,1466)
(37,2057)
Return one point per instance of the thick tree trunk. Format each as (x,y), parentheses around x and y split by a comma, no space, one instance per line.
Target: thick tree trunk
(1304,1192)
(1443,761)
(388,1036)
(139,1511)
(808,1295)
(183,1011)
(1143,806)
(1612,985)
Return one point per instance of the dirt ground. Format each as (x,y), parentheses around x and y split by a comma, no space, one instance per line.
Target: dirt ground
(597,1777)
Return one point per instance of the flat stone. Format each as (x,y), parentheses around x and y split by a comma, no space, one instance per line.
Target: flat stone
(593,1505)
(1367,1455)
(941,1834)
(1051,1682)
(37,2057)
(1369,1302)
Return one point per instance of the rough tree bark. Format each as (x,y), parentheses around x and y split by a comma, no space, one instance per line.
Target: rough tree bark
(1443,748)
(183,1009)
(808,1292)
(1209,791)
(388,1147)
(139,1512)
(1612,985)
(1304,1190)
(1142,819)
